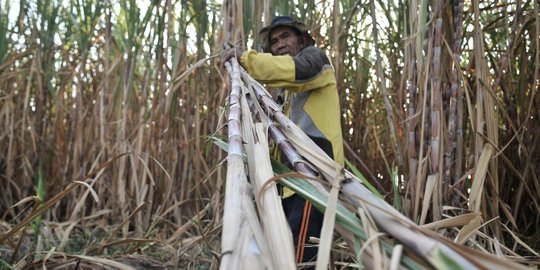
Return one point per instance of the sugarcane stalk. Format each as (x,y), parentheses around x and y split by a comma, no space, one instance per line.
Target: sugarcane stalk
(455,137)
(291,154)
(436,119)
(241,243)
(390,118)
(478,57)
(412,119)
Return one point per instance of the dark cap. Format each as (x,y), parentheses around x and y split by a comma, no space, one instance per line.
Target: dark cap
(283,21)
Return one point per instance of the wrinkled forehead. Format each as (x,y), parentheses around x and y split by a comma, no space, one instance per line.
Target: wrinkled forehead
(280,29)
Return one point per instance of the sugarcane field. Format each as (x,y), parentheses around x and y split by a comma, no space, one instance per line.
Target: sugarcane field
(269,134)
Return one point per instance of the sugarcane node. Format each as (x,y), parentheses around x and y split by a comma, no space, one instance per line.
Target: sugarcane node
(346,181)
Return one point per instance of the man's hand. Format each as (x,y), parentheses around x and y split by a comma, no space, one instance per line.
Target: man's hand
(229,53)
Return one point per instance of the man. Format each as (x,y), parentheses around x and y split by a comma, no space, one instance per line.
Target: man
(290,61)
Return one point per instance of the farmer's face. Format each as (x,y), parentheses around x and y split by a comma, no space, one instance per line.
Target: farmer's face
(285,41)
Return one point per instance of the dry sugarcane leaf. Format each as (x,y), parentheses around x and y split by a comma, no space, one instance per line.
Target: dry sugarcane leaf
(257,242)
(372,243)
(475,198)
(92,191)
(104,261)
(25,200)
(325,244)
(479,258)
(276,228)
(396,257)
(47,256)
(65,235)
(521,241)
(82,200)
(428,194)
(457,221)
(187,225)
(469,229)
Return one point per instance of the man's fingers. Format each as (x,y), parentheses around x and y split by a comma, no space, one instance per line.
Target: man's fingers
(230,53)
(226,55)
(226,45)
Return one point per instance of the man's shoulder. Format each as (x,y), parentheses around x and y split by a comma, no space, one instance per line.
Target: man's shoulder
(312,50)
(315,54)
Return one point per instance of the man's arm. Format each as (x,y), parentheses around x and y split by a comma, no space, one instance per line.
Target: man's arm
(309,63)
(308,70)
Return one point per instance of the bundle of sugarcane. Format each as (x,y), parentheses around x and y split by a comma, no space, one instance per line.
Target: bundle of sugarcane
(364,239)
(242,244)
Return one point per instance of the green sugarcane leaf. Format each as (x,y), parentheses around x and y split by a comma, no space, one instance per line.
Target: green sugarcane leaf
(443,262)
